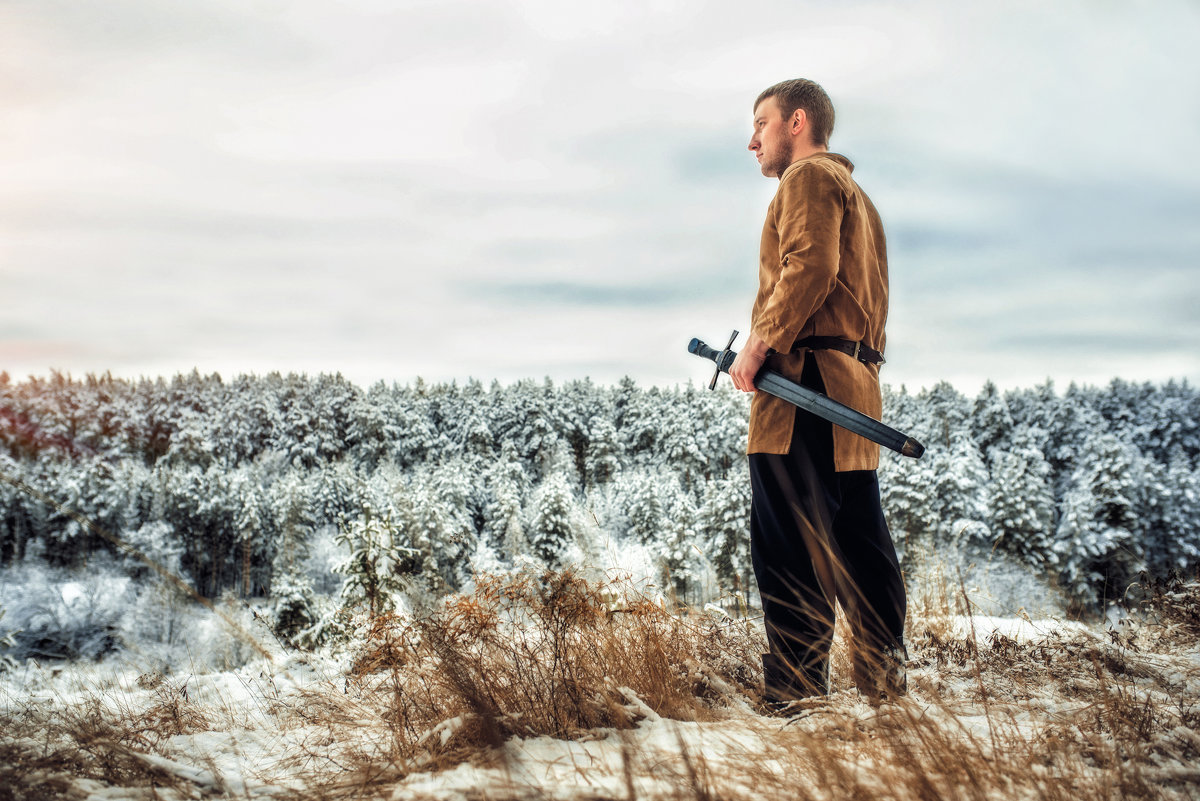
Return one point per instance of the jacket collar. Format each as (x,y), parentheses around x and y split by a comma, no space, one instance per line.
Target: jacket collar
(824,154)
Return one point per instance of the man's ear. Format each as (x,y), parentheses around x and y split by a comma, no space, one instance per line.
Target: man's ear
(799,121)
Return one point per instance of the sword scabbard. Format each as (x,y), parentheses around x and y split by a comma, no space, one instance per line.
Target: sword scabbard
(822,406)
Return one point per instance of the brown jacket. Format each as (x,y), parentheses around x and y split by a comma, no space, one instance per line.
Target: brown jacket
(823,272)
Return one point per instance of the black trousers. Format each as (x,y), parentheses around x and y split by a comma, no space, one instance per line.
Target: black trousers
(818,537)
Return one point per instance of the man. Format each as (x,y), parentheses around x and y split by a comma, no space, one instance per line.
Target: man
(817,534)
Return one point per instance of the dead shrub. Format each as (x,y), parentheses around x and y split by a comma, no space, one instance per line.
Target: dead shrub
(550,654)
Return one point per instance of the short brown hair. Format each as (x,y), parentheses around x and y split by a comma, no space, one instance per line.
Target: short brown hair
(808,95)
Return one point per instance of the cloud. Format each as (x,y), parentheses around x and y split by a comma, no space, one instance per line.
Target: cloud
(380,187)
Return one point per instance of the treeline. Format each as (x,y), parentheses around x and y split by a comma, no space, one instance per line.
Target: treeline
(230,482)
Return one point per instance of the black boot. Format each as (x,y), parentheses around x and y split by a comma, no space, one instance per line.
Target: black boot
(881,676)
(784,682)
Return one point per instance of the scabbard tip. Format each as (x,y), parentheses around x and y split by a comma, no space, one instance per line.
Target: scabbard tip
(912,448)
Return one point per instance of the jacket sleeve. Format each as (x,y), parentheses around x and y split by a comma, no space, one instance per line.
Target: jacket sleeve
(808,212)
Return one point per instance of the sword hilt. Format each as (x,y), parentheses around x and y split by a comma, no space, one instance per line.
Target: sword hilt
(723,358)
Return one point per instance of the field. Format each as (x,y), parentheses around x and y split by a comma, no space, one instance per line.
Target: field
(550,686)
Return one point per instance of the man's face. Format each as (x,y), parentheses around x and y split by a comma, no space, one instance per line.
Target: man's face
(771,143)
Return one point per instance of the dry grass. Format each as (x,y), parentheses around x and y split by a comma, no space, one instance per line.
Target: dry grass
(552,687)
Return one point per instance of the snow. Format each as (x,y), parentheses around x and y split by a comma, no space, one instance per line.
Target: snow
(545,767)
(250,745)
(1016,628)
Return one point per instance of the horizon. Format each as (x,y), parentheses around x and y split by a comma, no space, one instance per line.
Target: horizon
(1058,387)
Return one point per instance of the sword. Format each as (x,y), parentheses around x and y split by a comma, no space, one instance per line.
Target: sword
(822,406)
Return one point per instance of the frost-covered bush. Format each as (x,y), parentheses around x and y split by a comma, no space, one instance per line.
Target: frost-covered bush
(293,605)
(160,613)
(6,644)
(229,639)
(65,615)
(981,580)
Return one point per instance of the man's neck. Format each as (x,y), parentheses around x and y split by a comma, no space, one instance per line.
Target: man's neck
(803,152)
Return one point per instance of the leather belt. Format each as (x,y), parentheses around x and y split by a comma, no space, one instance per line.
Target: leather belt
(856,350)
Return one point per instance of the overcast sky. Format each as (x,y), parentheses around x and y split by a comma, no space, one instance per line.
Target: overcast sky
(389,189)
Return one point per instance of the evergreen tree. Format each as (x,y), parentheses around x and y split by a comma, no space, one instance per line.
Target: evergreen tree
(680,568)
(946,411)
(684,438)
(726,428)
(508,483)
(1172,516)
(371,434)
(907,490)
(603,455)
(646,514)
(551,531)
(991,421)
(581,405)
(962,493)
(724,525)
(443,512)
(380,564)
(293,609)
(1021,500)
(1099,546)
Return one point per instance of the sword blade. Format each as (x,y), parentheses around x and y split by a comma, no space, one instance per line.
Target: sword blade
(822,406)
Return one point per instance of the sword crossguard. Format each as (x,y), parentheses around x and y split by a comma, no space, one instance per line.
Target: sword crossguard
(721,360)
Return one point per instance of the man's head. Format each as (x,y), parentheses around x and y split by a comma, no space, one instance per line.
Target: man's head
(792,119)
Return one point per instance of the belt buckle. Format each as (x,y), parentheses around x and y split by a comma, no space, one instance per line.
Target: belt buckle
(857,349)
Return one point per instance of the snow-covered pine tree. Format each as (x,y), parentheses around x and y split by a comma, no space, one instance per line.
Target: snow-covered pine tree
(293,609)
(478,445)
(253,417)
(14,523)
(551,531)
(946,411)
(416,436)
(907,490)
(962,493)
(444,512)
(647,517)
(523,419)
(604,453)
(727,426)
(336,493)
(1171,513)
(991,421)
(293,603)
(253,530)
(1099,544)
(685,437)
(371,433)
(1167,423)
(579,405)
(508,484)
(724,526)
(380,564)
(1021,501)
(680,563)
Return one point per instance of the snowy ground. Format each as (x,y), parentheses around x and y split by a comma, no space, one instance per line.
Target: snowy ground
(998,708)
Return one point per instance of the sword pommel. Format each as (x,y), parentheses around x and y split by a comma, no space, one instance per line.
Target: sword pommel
(723,358)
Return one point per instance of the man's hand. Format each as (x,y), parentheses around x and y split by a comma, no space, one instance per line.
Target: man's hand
(748,362)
